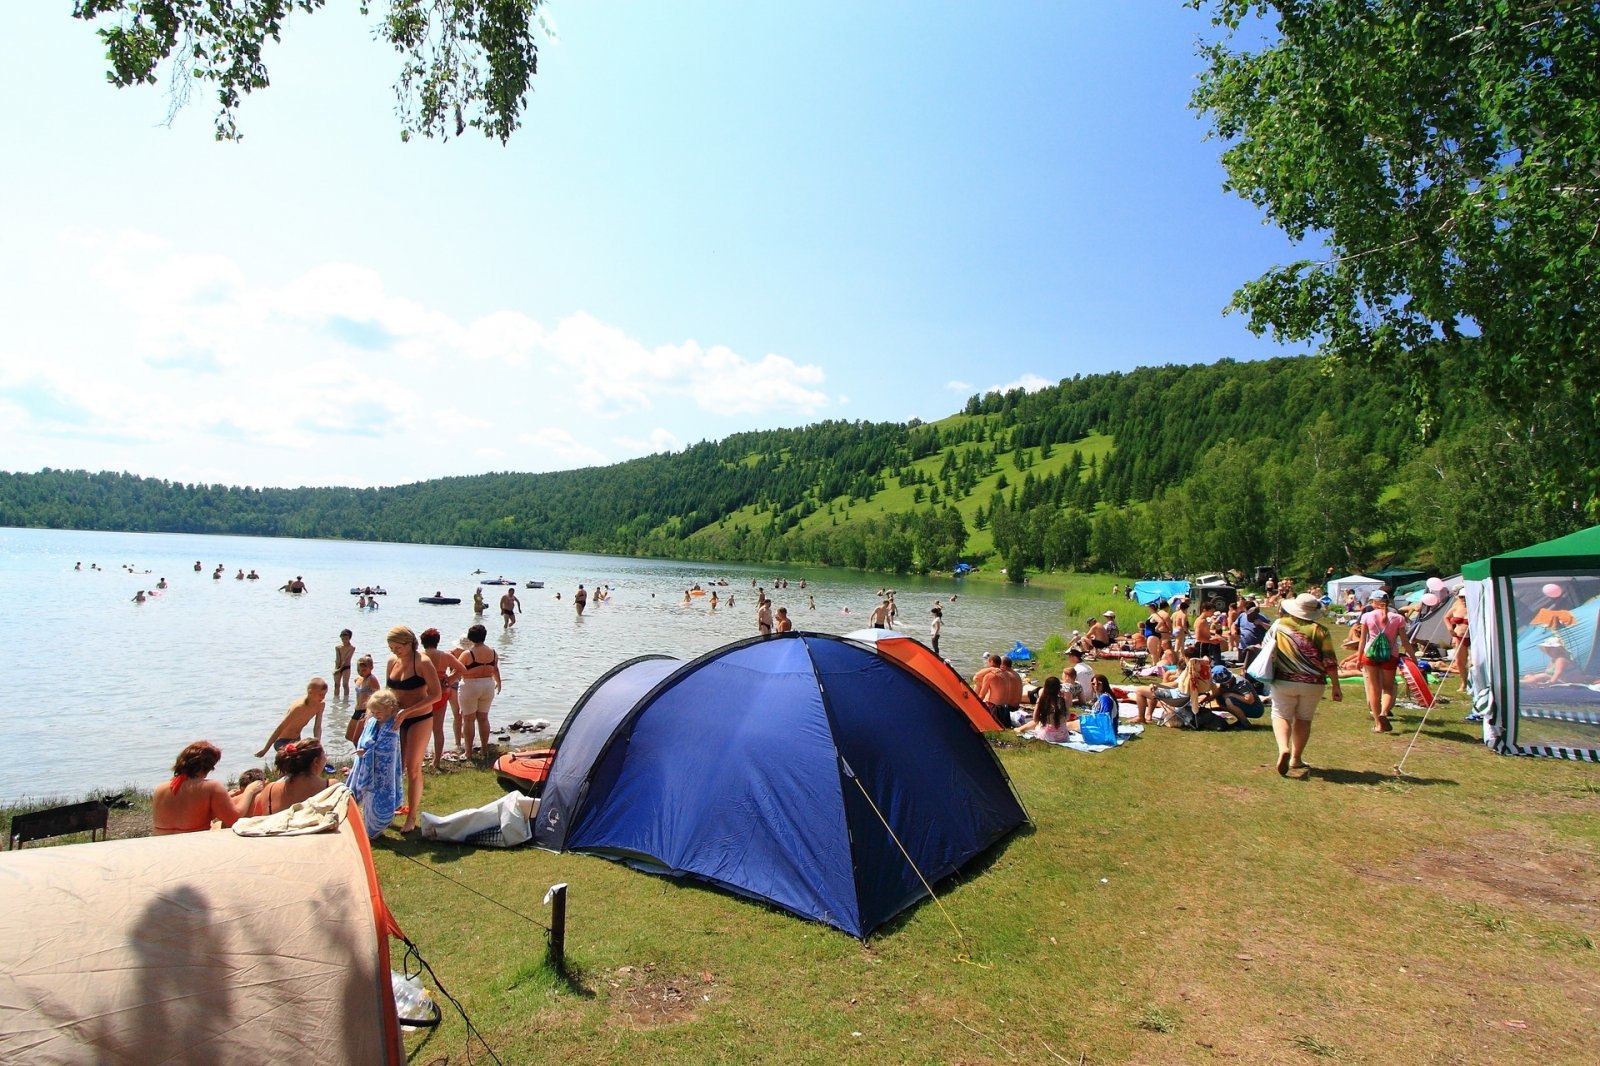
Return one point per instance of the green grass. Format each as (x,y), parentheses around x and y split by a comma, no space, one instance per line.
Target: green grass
(1175,901)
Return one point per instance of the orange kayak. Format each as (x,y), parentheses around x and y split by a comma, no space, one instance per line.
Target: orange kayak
(524,771)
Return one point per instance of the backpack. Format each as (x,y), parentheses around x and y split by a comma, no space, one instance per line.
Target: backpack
(1378,649)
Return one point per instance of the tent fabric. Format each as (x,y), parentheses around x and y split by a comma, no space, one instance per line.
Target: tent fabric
(1398,576)
(1575,551)
(919,658)
(1430,626)
(784,768)
(1148,592)
(1510,612)
(197,947)
(1363,585)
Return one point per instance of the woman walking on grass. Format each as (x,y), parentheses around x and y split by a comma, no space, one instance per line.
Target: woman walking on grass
(1378,658)
(1303,660)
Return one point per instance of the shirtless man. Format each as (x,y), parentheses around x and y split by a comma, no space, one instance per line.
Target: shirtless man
(880,616)
(1096,637)
(994,687)
(509,606)
(784,625)
(764,617)
(580,599)
(344,654)
(301,712)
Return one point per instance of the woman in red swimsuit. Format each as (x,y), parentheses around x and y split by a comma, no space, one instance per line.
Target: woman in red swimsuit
(189,802)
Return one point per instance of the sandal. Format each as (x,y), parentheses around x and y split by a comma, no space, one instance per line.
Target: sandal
(1283,764)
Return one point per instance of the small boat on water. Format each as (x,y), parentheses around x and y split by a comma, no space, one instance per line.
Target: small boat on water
(498,581)
(536,584)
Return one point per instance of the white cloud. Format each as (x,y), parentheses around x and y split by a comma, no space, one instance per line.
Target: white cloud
(659,440)
(958,386)
(201,364)
(566,448)
(1027,383)
(618,375)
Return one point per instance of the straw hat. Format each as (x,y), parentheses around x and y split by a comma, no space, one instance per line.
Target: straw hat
(1305,607)
(1553,644)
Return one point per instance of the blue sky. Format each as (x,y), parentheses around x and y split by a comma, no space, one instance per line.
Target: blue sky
(716,217)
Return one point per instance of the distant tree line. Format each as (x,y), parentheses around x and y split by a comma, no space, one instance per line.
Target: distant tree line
(1225,465)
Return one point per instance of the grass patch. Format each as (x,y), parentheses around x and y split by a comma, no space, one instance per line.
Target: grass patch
(1175,901)
(1154,1019)
(1316,1047)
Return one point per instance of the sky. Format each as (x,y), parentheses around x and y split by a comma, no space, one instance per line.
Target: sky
(716,217)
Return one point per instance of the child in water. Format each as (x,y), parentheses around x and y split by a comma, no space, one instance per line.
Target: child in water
(375,776)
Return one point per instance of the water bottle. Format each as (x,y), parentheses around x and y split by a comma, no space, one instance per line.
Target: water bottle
(413,1004)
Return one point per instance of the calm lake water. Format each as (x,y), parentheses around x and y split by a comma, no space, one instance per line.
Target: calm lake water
(125,686)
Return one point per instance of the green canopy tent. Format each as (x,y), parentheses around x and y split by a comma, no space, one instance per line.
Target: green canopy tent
(1527,610)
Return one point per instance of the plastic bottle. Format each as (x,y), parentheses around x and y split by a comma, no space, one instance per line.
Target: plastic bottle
(412,1002)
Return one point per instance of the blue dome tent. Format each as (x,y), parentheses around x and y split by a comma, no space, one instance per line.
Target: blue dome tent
(792,769)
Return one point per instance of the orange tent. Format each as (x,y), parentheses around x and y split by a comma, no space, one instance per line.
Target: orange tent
(920,658)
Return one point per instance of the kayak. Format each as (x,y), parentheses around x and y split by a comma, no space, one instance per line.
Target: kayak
(524,771)
(439,599)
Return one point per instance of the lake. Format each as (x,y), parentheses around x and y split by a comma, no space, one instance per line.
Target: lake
(127,685)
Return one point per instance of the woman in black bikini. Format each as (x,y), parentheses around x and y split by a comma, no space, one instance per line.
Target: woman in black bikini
(414,681)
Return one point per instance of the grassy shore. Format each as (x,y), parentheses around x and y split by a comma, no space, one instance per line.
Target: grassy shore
(1176,901)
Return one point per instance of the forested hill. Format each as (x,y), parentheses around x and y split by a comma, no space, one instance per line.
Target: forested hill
(1162,468)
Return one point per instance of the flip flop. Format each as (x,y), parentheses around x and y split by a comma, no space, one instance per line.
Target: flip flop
(1283,764)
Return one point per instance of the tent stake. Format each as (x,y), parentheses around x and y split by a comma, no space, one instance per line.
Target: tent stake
(557,899)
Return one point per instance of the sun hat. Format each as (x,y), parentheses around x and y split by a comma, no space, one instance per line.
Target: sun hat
(1553,644)
(1220,674)
(1305,607)
(1109,614)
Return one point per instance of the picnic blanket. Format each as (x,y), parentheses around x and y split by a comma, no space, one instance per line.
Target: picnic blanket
(1124,730)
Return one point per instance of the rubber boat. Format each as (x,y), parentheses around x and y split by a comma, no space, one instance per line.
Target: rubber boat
(439,599)
(524,771)
(378,591)
(536,584)
(497,581)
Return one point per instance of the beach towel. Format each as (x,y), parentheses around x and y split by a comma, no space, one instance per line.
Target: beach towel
(375,776)
(319,814)
(1124,732)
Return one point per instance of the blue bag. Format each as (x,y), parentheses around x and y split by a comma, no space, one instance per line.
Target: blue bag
(1099,728)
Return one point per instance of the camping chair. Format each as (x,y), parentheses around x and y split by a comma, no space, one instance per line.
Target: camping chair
(89,816)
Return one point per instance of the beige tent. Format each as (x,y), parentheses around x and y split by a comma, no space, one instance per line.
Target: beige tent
(198,947)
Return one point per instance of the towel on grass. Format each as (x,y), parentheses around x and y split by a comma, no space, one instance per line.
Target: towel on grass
(1124,731)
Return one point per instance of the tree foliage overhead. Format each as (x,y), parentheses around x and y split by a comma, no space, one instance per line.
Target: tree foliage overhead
(1447,152)
(464,63)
